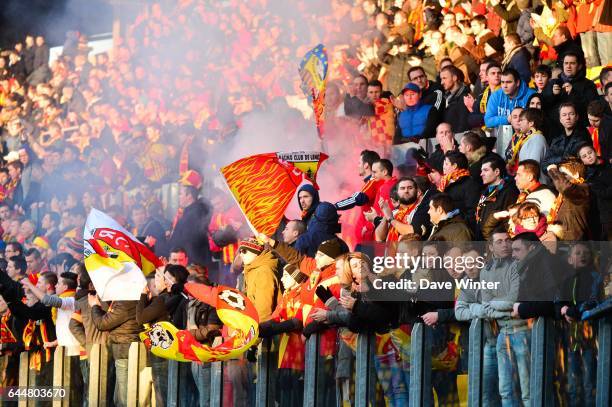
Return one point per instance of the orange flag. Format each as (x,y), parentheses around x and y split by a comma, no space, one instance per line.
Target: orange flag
(264,184)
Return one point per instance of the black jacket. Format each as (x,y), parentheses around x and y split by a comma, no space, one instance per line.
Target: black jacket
(41,56)
(456,114)
(153,228)
(581,286)
(191,232)
(206,319)
(599,178)
(583,92)
(540,276)
(354,107)
(465,193)
(28,59)
(176,306)
(433,95)
(568,46)
(491,202)
(563,147)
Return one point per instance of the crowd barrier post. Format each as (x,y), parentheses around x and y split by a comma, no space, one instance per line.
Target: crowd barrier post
(98,376)
(216,384)
(420,366)
(310,370)
(24,374)
(137,361)
(475,362)
(542,363)
(604,362)
(365,381)
(62,374)
(262,390)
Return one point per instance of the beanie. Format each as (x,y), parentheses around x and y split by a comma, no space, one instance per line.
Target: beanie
(333,248)
(252,245)
(191,178)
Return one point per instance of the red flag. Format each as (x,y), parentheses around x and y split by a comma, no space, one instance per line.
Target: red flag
(264,184)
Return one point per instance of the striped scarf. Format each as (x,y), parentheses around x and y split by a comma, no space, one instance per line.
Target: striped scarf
(400,216)
(594,131)
(513,149)
(452,178)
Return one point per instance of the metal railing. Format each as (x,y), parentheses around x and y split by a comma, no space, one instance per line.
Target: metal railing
(420,394)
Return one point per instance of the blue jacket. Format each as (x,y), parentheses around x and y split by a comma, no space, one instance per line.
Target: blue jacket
(500,105)
(413,121)
(323,226)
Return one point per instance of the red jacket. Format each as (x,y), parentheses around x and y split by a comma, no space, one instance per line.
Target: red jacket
(384,192)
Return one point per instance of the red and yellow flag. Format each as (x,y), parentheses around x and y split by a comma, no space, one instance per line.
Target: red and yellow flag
(240,328)
(264,184)
(115,260)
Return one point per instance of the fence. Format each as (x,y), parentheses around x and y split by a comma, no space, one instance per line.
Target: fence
(543,353)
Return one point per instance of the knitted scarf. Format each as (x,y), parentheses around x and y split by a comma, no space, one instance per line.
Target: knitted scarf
(512,152)
(595,138)
(400,216)
(452,178)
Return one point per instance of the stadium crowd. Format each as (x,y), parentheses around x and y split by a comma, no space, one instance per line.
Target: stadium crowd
(466,121)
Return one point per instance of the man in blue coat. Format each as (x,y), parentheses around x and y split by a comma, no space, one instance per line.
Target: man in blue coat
(514,92)
(416,122)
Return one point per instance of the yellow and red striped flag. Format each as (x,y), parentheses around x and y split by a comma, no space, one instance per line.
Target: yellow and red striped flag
(264,184)
(115,260)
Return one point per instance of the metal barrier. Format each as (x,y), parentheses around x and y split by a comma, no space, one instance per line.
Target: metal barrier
(543,342)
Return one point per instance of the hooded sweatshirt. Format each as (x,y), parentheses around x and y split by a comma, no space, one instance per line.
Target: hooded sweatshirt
(323,226)
(500,105)
(307,215)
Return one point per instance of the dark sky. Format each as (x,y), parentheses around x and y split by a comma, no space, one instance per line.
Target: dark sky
(52,18)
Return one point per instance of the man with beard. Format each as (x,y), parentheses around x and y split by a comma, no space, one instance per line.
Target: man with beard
(411,217)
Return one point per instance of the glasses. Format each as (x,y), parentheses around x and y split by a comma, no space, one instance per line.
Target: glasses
(242,251)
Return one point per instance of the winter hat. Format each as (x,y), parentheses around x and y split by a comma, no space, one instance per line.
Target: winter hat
(191,178)
(251,244)
(333,248)
(411,87)
(295,273)
(326,213)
